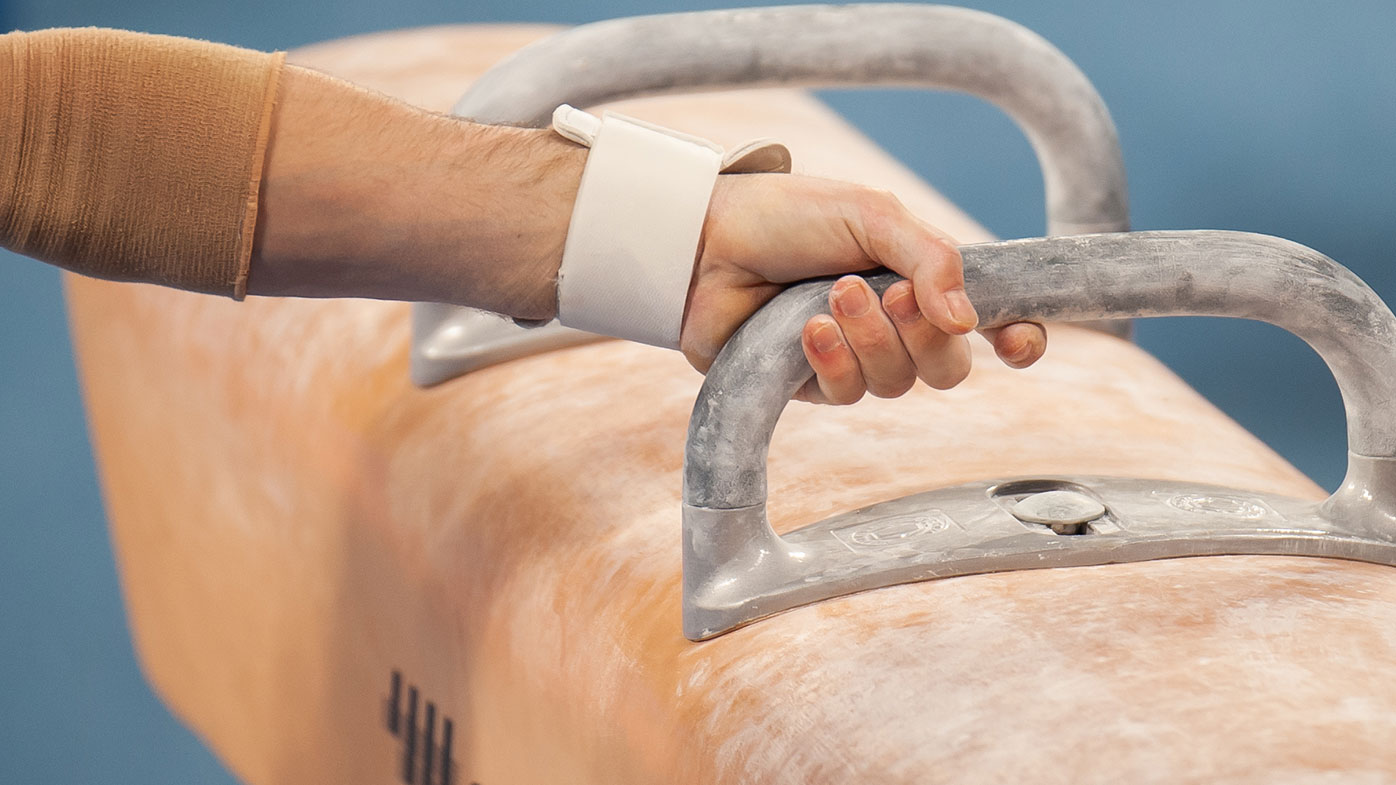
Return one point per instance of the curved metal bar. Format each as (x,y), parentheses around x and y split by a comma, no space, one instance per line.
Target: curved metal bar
(813,46)
(1125,275)
(835,46)
(737,568)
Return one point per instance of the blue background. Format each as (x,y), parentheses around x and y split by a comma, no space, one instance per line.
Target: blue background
(1259,115)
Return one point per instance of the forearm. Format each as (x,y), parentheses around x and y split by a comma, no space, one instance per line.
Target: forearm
(364,196)
(207,167)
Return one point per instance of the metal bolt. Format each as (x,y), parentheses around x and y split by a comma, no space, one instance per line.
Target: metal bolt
(1066,512)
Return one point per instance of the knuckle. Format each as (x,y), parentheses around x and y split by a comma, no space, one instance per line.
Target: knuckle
(879,204)
(925,342)
(919,335)
(881,197)
(946,258)
(875,342)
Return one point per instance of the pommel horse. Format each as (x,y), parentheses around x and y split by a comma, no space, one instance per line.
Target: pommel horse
(517,575)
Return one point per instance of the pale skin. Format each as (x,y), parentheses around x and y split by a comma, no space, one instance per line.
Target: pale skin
(485,217)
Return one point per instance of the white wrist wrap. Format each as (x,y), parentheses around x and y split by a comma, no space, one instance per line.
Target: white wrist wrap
(635,228)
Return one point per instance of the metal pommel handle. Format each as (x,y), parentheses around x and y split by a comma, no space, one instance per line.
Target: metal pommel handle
(909,45)
(938,47)
(1170,273)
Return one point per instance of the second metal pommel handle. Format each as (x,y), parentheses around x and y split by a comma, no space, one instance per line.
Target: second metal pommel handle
(729,543)
(793,46)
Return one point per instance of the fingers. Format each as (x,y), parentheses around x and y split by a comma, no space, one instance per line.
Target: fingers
(942,360)
(878,346)
(887,368)
(900,241)
(1018,345)
(765,231)
(864,348)
(838,378)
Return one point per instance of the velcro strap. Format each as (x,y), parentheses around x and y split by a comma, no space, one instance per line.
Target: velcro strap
(631,244)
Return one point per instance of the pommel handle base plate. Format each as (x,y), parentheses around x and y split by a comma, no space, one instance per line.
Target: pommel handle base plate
(970,529)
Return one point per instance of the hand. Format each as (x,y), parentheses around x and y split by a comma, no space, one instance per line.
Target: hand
(766,231)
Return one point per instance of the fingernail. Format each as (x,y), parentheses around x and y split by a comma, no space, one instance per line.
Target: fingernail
(903,307)
(852,300)
(825,338)
(961,312)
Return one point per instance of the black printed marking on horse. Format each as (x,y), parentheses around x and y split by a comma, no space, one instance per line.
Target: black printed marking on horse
(426,757)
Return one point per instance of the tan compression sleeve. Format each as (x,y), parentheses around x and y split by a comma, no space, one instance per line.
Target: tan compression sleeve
(134,157)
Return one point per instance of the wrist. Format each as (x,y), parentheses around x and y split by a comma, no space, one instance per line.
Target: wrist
(636,228)
(514,225)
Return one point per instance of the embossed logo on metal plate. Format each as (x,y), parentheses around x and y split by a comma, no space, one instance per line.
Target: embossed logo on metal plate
(894,531)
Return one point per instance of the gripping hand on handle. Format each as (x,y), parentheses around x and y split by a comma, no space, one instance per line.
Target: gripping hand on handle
(765,231)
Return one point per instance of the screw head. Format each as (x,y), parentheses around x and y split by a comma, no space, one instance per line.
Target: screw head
(1058,508)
